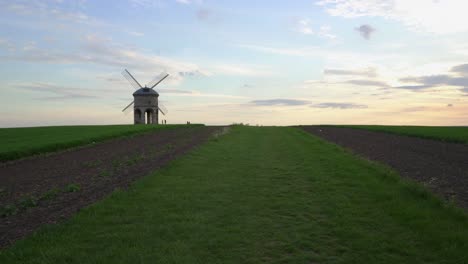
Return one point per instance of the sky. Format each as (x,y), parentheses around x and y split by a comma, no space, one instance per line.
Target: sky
(394,62)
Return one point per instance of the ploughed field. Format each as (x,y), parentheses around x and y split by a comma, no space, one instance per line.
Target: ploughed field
(46,189)
(441,133)
(440,165)
(26,141)
(247,195)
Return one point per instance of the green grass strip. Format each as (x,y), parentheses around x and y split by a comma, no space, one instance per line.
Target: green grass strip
(23,142)
(259,195)
(448,134)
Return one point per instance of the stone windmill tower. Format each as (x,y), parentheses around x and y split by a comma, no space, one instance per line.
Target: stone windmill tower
(146,106)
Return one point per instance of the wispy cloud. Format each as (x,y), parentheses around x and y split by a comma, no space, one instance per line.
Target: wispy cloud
(460,69)
(415,109)
(308,51)
(369,72)
(7,45)
(241,70)
(51,11)
(174,91)
(98,50)
(431,81)
(326,32)
(204,14)
(339,105)
(279,102)
(58,92)
(304,26)
(369,83)
(365,31)
(136,33)
(415,14)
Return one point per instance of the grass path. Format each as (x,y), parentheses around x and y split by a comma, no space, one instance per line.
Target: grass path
(259,195)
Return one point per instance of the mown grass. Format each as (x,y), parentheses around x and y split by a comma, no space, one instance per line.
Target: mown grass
(22,142)
(449,134)
(259,195)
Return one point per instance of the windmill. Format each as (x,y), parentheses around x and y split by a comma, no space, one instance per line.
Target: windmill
(145,100)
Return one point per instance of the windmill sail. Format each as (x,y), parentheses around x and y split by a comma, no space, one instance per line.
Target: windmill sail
(157,80)
(127,108)
(162,108)
(131,80)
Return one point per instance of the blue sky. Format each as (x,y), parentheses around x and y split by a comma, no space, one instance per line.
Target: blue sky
(257,62)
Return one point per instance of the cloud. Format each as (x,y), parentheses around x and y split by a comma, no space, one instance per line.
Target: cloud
(460,69)
(365,31)
(449,105)
(330,54)
(187,2)
(51,11)
(99,50)
(370,72)
(419,15)
(103,51)
(304,26)
(309,51)
(340,106)
(325,32)
(415,109)
(148,3)
(241,70)
(458,80)
(174,91)
(368,83)
(7,44)
(430,81)
(204,14)
(414,87)
(60,92)
(279,102)
(136,33)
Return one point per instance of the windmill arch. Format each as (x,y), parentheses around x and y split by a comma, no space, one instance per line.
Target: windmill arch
(137,115)
(149,116)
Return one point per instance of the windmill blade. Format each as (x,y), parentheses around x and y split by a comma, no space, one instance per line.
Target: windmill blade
(127,108)
(157,80)
(162,108)
(131,80)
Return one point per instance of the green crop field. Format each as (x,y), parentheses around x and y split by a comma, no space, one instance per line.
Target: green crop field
(259,195)
(22,142)
(449,134)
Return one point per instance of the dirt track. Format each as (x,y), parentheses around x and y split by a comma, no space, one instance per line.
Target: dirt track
(441,166)
(97,170)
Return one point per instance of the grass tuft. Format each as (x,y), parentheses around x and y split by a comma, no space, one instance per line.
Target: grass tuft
(72,188)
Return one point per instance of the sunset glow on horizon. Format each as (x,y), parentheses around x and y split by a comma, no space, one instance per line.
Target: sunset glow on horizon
(388,62)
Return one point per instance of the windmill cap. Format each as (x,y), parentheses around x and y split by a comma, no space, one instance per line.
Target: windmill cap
(145,91)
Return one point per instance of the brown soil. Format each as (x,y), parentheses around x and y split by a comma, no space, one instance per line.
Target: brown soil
(97,170)
(441,166)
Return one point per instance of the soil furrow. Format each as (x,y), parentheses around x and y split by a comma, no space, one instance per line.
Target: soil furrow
(441,166)
(95,170)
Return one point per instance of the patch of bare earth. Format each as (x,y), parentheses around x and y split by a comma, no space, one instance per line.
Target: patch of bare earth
(47,189)
(441,166)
